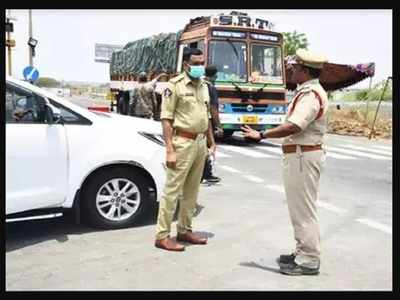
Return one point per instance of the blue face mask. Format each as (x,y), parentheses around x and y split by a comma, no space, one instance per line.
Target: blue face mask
(196,71)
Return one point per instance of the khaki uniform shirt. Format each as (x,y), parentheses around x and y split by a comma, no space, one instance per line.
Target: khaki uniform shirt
(187,104)
(305,113)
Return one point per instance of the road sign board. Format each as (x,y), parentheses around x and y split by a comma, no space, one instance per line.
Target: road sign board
(31,73)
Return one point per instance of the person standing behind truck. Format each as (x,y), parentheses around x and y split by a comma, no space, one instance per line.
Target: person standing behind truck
(143,102)
(210,77)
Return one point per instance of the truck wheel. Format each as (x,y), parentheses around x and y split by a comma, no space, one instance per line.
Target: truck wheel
(116,198)
(227,133)
(251,141)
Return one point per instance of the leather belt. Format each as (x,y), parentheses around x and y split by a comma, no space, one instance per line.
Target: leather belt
(304,148)
(188,135)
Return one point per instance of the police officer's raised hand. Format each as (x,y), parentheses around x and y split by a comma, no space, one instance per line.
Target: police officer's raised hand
(251,133)
(171,159)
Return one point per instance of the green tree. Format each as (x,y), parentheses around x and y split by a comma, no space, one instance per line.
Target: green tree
(293,41)
(47,82)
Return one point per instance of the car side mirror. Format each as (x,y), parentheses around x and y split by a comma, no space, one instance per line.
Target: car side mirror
(53,115)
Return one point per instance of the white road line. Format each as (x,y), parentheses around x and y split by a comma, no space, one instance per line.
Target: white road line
(279,151)
(376,225)
(389,148)
(331,207)
(254,178)
(229,169)
(274,150)
(271,144)
(358,153)
(246,152)
(276,188)
(221,154)
(339,156)
(367,149)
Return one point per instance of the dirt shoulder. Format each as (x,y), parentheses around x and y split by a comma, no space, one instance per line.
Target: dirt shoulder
(357,120)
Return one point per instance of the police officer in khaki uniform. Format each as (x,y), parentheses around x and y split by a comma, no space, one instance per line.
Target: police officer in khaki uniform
(303,160)
(185,115)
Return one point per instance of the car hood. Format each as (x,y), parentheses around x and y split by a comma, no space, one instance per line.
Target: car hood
(139,124)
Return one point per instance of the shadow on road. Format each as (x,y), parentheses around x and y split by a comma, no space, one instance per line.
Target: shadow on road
(27,233)
(253,264)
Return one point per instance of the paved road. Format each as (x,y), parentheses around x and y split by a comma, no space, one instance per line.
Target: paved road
(247,222)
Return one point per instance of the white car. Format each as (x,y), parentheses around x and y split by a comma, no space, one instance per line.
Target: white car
(109,168)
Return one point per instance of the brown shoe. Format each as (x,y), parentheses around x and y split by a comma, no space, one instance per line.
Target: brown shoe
(169,244)
(192,238)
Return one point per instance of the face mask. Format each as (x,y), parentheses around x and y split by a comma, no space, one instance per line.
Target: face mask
(196,71)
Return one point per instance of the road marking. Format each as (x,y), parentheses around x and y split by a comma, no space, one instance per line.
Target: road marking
(331,207)
(276,187)
(376,225)
(229,169)
(254,178)
(246,152)
(221,154)
(272,144)
(279,151)
(270,149)
(339,156)
(389,148)
(383,152)
(358,153)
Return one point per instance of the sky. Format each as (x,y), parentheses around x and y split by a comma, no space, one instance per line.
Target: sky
(65,50)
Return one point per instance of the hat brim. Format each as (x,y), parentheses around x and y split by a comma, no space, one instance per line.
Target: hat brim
(337,76)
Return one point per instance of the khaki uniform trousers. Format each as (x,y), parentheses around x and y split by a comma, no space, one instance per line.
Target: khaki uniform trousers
(301,173)
(182,183)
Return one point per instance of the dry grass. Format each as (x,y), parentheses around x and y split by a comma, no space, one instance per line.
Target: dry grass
(358,122)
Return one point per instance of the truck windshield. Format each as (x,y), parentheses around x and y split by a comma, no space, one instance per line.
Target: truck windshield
(230,59)
(266,64)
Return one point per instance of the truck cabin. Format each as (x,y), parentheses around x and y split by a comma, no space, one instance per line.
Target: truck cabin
(246,52)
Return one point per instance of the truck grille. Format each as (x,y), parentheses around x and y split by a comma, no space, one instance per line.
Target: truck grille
(236,107)
(251,95)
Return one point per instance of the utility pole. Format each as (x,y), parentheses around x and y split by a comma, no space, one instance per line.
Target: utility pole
(30,36)
(372,132)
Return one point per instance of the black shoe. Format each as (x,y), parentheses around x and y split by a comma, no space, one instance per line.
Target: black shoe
(285,259)
(295,269)
(213,179)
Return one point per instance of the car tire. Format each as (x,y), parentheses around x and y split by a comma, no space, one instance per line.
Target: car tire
(99,186)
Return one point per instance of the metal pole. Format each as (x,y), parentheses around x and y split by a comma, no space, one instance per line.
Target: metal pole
(9,53)
(30,36)
(372,132)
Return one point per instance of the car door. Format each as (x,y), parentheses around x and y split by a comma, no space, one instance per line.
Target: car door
(36,153)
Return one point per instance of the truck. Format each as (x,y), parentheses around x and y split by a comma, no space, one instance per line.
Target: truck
(248,55)
(252,78)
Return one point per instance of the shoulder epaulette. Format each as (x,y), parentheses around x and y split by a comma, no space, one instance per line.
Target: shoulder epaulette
(177,78)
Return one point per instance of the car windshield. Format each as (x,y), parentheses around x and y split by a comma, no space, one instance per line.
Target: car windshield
(230,59)
(266,64)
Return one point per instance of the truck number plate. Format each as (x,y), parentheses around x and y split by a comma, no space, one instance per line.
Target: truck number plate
(250,119)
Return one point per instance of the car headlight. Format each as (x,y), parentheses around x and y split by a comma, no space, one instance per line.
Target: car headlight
(157,138)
